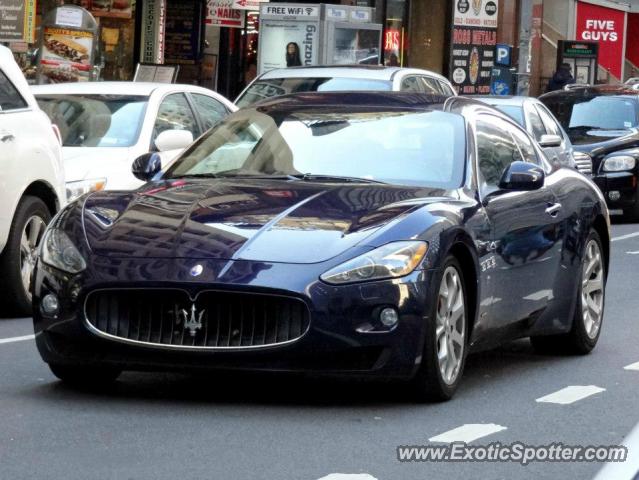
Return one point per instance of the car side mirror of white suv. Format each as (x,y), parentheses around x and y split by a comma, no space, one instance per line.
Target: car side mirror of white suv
(173,140)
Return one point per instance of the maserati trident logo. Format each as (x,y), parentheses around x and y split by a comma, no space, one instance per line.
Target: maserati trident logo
(197,270)
(192,321)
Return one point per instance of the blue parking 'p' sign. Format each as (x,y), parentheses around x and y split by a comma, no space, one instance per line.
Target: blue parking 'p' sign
(503,54)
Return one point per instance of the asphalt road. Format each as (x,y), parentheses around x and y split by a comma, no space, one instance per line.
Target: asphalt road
(159,426)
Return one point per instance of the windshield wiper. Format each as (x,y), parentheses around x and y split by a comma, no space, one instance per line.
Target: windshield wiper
(311,177)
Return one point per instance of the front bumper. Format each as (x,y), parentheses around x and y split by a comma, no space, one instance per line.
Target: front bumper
(619,188)
(339,340)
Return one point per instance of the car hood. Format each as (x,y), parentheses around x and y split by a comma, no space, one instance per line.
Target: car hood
(588,140)
(261,220)
(84,163)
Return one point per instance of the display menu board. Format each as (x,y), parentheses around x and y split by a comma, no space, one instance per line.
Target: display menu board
(473,45)
(182,33)
(66,55)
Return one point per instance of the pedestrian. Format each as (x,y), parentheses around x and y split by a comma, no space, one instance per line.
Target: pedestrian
(561,78)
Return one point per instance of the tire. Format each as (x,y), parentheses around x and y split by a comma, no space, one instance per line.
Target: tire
(435,382)
(589,306)
(631,214)
(29,221)
(84,376)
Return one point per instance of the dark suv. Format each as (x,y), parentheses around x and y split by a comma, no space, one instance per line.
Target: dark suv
(603,122)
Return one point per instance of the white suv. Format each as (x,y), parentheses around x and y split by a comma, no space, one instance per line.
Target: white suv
(31,184)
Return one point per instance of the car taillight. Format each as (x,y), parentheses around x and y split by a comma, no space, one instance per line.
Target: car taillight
(56,130)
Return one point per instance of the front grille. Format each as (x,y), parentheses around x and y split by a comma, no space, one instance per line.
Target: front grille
(221,320)
(584,165)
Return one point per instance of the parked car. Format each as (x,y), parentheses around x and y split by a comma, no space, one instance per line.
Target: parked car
(603,123)
(533,115)
(357,236)
(282,81)
(107,125)
(31,184)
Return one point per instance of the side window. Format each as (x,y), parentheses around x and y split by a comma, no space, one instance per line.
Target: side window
(495,151)
(10,98)
(525,145)
(430,86)
(536,124)
(410,84)
(446,89)
(551,124)
(210,110)
(175,114)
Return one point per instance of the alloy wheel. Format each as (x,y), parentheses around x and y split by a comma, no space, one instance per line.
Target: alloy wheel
(29,243)
(592,289)
(450,331)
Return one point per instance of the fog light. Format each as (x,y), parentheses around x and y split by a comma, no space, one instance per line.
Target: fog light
(389,317)
(50,304)
(614,195)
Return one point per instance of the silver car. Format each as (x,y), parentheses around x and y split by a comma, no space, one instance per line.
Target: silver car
(533,115)
(282,81)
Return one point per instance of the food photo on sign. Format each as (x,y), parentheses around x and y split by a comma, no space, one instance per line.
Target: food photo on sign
(66,55)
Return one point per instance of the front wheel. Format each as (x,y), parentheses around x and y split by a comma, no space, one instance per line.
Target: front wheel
(85,376)
(18,259)
(445,345)
(589,309)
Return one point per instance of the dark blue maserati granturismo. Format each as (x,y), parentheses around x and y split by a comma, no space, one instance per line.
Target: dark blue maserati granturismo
(364,234)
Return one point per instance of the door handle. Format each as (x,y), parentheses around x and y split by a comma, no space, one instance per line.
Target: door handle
(553,209)
(6,137)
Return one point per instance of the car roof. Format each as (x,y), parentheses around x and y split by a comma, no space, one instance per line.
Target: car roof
(514,100)
(576,91)
(372,72)
(113,88)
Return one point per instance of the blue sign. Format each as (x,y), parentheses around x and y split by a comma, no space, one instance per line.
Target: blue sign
(503,54)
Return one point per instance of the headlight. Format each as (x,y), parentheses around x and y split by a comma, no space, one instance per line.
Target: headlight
(58,251)
(390,261)
(619,163)
(77,189)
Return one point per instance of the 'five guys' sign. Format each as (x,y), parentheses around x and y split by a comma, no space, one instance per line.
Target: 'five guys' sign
(473,45)
(606,26)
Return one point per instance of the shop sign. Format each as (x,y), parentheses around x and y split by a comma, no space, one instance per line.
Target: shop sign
(17,20)
(153,24)
(473,45)
(223,14)
(606,26)
(392,40)
(253,5)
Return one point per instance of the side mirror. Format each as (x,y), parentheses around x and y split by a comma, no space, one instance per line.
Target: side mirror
(550,141)
(147,166)
(173,140)
(522,176)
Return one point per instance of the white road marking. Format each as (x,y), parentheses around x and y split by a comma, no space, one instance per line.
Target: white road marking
(625,237)
(17,339)
(571,394)
(633,253)
(348,476)
(632,366)
(467,433)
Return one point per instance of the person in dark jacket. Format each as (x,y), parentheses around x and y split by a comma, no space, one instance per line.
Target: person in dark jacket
(561,78)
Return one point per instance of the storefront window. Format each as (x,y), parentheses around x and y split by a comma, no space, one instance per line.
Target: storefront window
(395,33)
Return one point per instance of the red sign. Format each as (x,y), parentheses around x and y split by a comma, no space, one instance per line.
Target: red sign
(391,40)
(606,26)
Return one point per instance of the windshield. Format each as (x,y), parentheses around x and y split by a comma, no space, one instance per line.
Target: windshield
(514,112)
(96,120)
(398,147)
(274,87)
(598,113)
